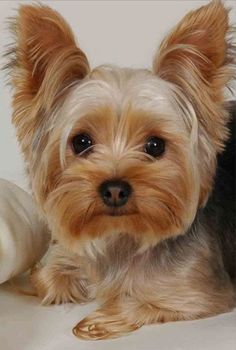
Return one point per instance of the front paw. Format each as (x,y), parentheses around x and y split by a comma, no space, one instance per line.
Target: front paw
(102,324)
(57,286)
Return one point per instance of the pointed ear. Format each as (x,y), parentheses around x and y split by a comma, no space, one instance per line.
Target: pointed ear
(43,64)
(44,59)
(198,57)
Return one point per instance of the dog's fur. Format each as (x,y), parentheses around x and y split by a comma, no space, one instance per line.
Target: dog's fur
(170,253)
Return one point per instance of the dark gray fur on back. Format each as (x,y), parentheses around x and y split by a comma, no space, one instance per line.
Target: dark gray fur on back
(219,215)
(220,212)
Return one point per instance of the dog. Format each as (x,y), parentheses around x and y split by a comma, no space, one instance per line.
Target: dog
(131,169)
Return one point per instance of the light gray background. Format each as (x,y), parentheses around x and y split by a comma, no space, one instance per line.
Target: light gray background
(125,33)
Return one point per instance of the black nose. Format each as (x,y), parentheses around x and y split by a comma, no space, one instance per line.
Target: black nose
(115,193)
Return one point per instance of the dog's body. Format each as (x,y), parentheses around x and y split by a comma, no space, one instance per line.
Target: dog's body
(123,166)
(190,276)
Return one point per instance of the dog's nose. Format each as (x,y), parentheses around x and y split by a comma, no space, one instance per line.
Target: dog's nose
(115,193)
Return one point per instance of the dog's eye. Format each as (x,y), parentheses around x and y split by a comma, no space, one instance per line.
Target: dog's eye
(81,143)
(155,146)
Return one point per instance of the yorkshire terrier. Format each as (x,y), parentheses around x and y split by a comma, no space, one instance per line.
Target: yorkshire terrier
(133,171)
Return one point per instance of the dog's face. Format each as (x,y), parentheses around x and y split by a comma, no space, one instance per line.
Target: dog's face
(122,159)
(114,150)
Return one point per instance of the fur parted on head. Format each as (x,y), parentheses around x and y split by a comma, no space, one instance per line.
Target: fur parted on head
(180,102)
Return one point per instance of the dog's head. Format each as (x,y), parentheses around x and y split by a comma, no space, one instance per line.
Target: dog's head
(119,150)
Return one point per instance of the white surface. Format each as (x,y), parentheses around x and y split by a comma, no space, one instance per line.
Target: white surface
(25,325)
(125,33)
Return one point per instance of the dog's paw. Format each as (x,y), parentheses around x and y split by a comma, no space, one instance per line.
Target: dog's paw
(103,325)
(58,287)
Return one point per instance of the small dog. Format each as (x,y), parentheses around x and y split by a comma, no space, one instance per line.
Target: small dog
(123,167)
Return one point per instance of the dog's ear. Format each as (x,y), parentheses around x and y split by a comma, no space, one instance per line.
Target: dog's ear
(43,62)
(198,57)
(44,58)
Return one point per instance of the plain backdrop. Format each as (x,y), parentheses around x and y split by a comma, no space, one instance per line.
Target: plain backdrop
(125,33)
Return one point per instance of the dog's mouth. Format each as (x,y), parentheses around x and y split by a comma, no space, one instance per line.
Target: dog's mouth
(118,212)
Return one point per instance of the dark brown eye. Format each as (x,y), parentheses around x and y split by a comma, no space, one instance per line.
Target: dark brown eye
(81,143)
(155,146)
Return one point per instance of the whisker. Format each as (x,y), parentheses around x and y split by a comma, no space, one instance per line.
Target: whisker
(88,213)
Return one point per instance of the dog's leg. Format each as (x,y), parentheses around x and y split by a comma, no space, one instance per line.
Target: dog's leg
(119,318)
(62,279)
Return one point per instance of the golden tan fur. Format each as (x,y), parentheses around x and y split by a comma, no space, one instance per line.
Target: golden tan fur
(125,261)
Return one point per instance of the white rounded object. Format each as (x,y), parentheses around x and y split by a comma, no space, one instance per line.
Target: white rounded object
(24,238)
